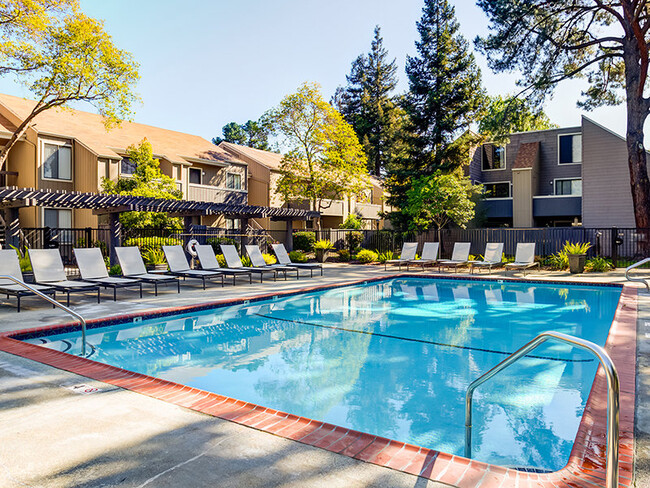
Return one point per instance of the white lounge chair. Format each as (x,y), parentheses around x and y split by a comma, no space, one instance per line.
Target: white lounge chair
(92,268)
(257,260)
(209,262)
(10,266)
(284,259)
(429,255)
(133,267)
(492,257)
(49,271)
(408,254)
(524,257)
(179,266)
(234,262)
(459,257)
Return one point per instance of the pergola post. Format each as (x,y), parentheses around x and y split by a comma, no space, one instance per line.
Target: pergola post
(288,237)
(187,233)
(115,238)
(12,236)
(244,235)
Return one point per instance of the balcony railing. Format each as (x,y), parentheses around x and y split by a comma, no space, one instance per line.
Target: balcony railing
(369,210)
(207,193)
(332,208)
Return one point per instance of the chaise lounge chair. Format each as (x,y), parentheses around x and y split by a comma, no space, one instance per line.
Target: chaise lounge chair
(284,259)
(49,271)
(257,260)
(407,255)
(234,262)
(10,266)
(429,255)
(459,257)
(92,268)
(492,257)
(524,257)
(209,263)
(133,267)
(179,266)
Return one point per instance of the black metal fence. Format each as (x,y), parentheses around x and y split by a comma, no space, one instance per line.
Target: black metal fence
(622,246)
(64,240)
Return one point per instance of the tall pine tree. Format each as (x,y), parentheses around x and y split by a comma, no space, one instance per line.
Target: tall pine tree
(368,104)
(444,98)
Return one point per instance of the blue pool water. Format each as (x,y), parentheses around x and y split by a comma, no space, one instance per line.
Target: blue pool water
(392,358)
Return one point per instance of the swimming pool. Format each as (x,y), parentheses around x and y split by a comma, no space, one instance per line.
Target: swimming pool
(391,358)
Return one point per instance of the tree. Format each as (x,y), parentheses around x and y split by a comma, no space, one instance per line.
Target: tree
(440,199)
(63,56)
(325,161)
(506,115)
(604,41)
(253,134)
(147,181)
(368,104)
(445,93)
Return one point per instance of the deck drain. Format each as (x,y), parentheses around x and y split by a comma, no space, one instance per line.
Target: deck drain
(83,389)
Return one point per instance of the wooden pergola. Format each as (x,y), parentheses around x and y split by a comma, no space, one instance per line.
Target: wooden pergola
(13,198)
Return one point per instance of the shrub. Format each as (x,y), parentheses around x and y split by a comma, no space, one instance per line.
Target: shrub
(344,255)
(353,240)
(297,257)
(246,261)
(103,247)
(221,260)
(304,241)
(152,255)
(385,256)
(598,265)
(367,256)
(23,259)
(323,244)
(153,242)
(576,248)
(115,270)
(559,261)
(352,221)
(269,258)
(216,242)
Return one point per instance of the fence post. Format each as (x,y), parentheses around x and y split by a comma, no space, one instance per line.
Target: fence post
(614,238)
(115,238)
(89,237)
(288,238)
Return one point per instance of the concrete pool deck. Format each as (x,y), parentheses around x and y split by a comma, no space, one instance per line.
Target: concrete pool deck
(113,437)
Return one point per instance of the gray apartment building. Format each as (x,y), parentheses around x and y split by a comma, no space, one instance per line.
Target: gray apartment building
(556,177)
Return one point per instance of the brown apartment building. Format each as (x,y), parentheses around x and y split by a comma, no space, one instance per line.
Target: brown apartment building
(264,173)
(71,150)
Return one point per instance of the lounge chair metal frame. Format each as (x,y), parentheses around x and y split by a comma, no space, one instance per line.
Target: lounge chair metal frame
(233,260)
(10,266)
(210,263)
(257,260)
(460,248)
(283,258)
(428,249)
(492,250)
(521,264)
(406,256)
(152,278)
(105,281)
(181,261)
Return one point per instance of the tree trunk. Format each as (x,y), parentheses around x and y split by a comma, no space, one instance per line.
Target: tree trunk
(637,112)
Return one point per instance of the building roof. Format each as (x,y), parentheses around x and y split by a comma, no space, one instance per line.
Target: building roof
(527,155)
(88,129)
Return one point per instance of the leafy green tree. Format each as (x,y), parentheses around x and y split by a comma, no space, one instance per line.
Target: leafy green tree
(147,181)
(63,56)
(506,115)
(369,105)
(325,160)
(604,41)
(440,199)
(253,134)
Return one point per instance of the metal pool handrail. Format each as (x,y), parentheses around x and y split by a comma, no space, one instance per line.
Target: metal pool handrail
(612,394)
(56,304)
(639,280)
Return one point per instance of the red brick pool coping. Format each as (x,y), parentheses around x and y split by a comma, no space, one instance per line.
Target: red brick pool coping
(586,466)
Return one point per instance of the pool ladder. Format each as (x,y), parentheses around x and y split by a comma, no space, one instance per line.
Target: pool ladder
(612,394)
(639,280)
(56,304)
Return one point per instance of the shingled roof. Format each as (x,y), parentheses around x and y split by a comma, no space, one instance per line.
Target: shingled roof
(527,155)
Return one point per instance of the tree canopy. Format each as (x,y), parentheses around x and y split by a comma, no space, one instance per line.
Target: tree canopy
(63,56)
(369,104)
(506,115)
(325,160)
(253,134)
(602,41)
(147,181)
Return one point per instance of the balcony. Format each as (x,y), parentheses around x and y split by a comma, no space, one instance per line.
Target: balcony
(557,206)
(207,193)
(497,208)
(369,211)
(335,208)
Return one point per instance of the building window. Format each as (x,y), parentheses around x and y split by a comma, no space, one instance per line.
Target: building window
(57,218)
(57,162)
(127,167)
(195,176)
(493,157)
(568,187)
(233,181)
(497,190)
(232,224)
(570,149)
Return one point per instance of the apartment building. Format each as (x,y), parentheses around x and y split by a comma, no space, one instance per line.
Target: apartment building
(71,150)
(263,177)
(557,177)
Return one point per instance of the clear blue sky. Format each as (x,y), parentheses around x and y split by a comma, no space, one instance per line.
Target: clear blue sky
(206,63)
